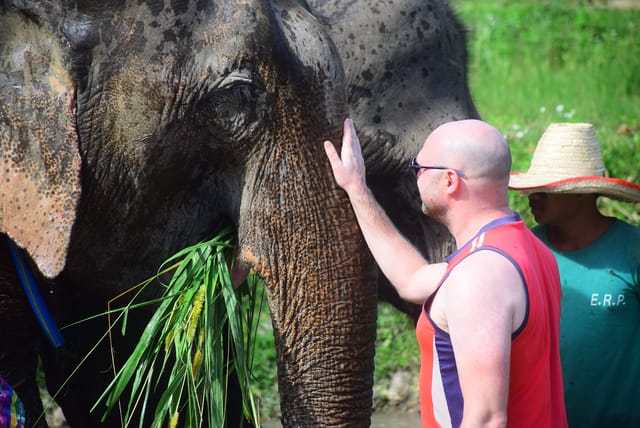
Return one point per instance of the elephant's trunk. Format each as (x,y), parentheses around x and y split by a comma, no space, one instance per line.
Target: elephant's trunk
(302,237)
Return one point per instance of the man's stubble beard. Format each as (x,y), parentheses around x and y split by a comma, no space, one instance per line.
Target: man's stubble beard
(435,211)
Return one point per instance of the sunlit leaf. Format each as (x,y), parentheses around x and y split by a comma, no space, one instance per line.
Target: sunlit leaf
(199,314)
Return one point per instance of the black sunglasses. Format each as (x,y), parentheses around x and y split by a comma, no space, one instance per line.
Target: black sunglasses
(417,167)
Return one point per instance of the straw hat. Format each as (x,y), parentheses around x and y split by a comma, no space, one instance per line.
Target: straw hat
(567,159)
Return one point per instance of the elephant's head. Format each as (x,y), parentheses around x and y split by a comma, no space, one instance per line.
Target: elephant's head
(405,63)
(130,129)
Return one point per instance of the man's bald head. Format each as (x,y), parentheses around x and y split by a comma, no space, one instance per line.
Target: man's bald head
(472,146)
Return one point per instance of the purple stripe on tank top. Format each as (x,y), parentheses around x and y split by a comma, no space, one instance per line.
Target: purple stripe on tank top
(449,376)
(511,218)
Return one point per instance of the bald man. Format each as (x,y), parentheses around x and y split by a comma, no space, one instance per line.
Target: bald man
(488,331)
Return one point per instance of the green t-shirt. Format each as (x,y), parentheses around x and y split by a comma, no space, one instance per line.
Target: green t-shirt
(600,328)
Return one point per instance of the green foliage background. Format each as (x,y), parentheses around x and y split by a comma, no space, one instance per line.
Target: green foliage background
(531,63)
(537,62)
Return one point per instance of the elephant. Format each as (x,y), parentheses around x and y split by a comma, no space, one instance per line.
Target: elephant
(130,129)
(406,66)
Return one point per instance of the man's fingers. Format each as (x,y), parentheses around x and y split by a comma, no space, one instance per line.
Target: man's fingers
(331,152)
(335,162)
(349,128)
(346,165)
(348,134)
(350,141)
(346,128)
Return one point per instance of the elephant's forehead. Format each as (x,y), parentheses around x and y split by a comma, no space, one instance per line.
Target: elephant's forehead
(207,30)
(153,29)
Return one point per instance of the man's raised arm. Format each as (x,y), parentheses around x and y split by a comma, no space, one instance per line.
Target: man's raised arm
(401,262)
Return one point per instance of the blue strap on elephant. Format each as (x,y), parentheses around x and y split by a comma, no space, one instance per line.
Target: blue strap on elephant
(35,298)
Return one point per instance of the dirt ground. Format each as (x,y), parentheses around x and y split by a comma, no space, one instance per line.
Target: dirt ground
(378,420)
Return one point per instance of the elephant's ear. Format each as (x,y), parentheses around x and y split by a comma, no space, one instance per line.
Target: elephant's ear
(40,171)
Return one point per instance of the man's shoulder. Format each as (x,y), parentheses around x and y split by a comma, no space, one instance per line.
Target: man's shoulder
(484,270)
(626,227)
(625,235)
(517,239)
(539,230)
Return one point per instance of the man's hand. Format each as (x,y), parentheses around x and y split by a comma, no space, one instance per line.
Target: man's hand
(395,255)
(348,168)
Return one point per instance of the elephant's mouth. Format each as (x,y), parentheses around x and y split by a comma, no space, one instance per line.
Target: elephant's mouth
(244,263)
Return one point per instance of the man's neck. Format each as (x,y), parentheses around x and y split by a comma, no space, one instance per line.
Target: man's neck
(464,229)
(579,232)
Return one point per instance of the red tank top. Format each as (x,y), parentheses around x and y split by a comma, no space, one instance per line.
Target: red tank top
(536,397)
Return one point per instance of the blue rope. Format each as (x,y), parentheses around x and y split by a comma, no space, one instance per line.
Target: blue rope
(35,298)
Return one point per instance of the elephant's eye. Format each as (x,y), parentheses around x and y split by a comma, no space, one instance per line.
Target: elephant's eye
(232,109)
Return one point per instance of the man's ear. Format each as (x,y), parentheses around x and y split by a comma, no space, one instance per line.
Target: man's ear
(452,181)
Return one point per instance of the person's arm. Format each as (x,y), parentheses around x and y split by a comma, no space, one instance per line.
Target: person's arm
(401,263)
(483,302)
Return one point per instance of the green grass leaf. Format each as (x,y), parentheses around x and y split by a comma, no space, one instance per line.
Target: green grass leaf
(201,332)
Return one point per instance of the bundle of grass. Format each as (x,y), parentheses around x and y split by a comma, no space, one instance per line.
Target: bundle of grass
(201,332)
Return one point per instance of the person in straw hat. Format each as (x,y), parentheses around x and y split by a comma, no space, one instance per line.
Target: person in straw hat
(599,261)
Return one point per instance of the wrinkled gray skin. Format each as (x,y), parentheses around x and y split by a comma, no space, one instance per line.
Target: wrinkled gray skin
(130,129)
(406,68)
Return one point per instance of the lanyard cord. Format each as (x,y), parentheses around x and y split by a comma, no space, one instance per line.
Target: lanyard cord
(35,298)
